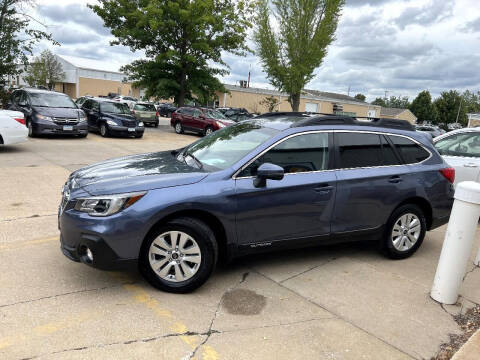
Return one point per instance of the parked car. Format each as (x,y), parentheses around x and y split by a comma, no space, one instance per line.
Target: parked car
(82,99)
(200,120)
(49,112)
(128,100)
(166,109)
(430,129)
(461,150)
(146,112)
(12,127)
(111,118)
(283,180)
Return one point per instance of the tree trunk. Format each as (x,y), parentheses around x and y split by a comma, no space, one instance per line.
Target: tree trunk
(181,92)
(294,101)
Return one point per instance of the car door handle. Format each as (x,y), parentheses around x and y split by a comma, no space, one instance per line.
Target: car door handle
(323,188)
(470,165)
(395,179)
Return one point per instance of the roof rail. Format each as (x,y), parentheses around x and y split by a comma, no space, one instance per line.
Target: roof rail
(330,119)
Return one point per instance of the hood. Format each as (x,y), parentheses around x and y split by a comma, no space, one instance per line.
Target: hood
(118,116)
(135,173)
(58,112)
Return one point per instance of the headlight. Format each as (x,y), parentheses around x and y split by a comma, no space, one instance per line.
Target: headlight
(42,117)
(111,122)
(220,124)
(82,119)
(107,205)
(140,123)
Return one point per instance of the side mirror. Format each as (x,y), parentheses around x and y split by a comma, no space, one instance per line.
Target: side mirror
(268,171)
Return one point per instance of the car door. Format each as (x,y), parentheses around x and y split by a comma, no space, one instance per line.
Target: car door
(187,118)
(87,109)
(198,120)
(462,151)
(297,207)
(370,178)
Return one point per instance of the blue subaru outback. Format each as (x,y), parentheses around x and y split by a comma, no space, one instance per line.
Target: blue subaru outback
(281,180)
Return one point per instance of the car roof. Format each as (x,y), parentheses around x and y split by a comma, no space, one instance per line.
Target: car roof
(41,91)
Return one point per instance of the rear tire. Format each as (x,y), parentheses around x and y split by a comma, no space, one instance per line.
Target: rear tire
(156,124)
(166,271)
(404,232)
(208,131)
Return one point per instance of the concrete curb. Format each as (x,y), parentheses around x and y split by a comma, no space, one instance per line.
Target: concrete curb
(470,350)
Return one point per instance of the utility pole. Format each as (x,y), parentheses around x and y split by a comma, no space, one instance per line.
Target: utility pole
(458,113)
(348,93)
(386,92)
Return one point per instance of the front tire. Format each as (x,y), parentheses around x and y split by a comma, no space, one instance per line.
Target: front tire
(404,232)
(103,130)
(180,256)
(208,131)
(178,127)
(31,131)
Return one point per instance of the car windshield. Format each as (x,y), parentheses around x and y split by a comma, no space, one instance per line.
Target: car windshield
(51,100)
(213,114)
(225,147)
(114,108)
(145,107)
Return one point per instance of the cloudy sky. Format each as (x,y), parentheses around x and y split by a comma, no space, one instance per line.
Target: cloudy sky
(397,46)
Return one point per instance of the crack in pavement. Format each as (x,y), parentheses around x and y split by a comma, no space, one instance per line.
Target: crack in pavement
(312,268)
(475,267)
(210,331)
(29,217)
(65,294)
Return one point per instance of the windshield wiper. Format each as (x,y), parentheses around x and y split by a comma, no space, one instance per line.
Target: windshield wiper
(194,158)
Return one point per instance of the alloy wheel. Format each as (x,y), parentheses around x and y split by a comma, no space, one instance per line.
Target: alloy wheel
(406,231)
(178,128)
(208,131)
(175,256)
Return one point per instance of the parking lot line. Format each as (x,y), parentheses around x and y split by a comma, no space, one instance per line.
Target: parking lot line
(23,244)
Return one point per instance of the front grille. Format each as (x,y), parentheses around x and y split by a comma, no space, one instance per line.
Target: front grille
(62,121)
(129,123)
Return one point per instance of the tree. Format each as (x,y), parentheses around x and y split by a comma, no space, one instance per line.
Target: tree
(379,102)
(290,55)
(393,102)
(448,105)
(183,42)
(422,107)
(471,101)
(360,97)
(17,38)
(271,102)
(45,71)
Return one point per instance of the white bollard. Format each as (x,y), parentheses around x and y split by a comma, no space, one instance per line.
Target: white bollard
(477,259)
(458,242)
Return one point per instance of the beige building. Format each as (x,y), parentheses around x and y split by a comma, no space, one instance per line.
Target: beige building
(473,119)
(85,76)
(399,114)
(310,101)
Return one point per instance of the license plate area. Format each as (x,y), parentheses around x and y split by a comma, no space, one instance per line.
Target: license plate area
(67,128)
(131,129)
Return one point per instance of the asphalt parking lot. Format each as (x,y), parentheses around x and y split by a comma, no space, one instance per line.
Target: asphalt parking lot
(335,302)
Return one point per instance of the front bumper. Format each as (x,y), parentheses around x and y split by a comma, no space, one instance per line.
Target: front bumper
(67,129)
(114,241)
(123,130)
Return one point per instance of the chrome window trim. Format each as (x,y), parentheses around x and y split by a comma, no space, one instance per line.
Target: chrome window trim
(234,176)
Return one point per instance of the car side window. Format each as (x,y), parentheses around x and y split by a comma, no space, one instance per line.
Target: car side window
(87,104)
(16,97)
(409,150)
(95,106)
(463,144)
(301,153)
(187,111)
(197,113)
(389,156)
(358,150)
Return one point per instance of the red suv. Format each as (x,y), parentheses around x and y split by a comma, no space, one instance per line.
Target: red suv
(199,120)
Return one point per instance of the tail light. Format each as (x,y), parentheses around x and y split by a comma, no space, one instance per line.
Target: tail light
(449,174)
(20,120)
(157,114)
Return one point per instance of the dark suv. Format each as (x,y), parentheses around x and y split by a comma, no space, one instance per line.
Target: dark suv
(111,118)
(282,180)
(200,120)
(49,112)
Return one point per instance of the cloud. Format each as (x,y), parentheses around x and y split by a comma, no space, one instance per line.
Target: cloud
(434,12)
(357,3)
(471,26)
(78,14)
